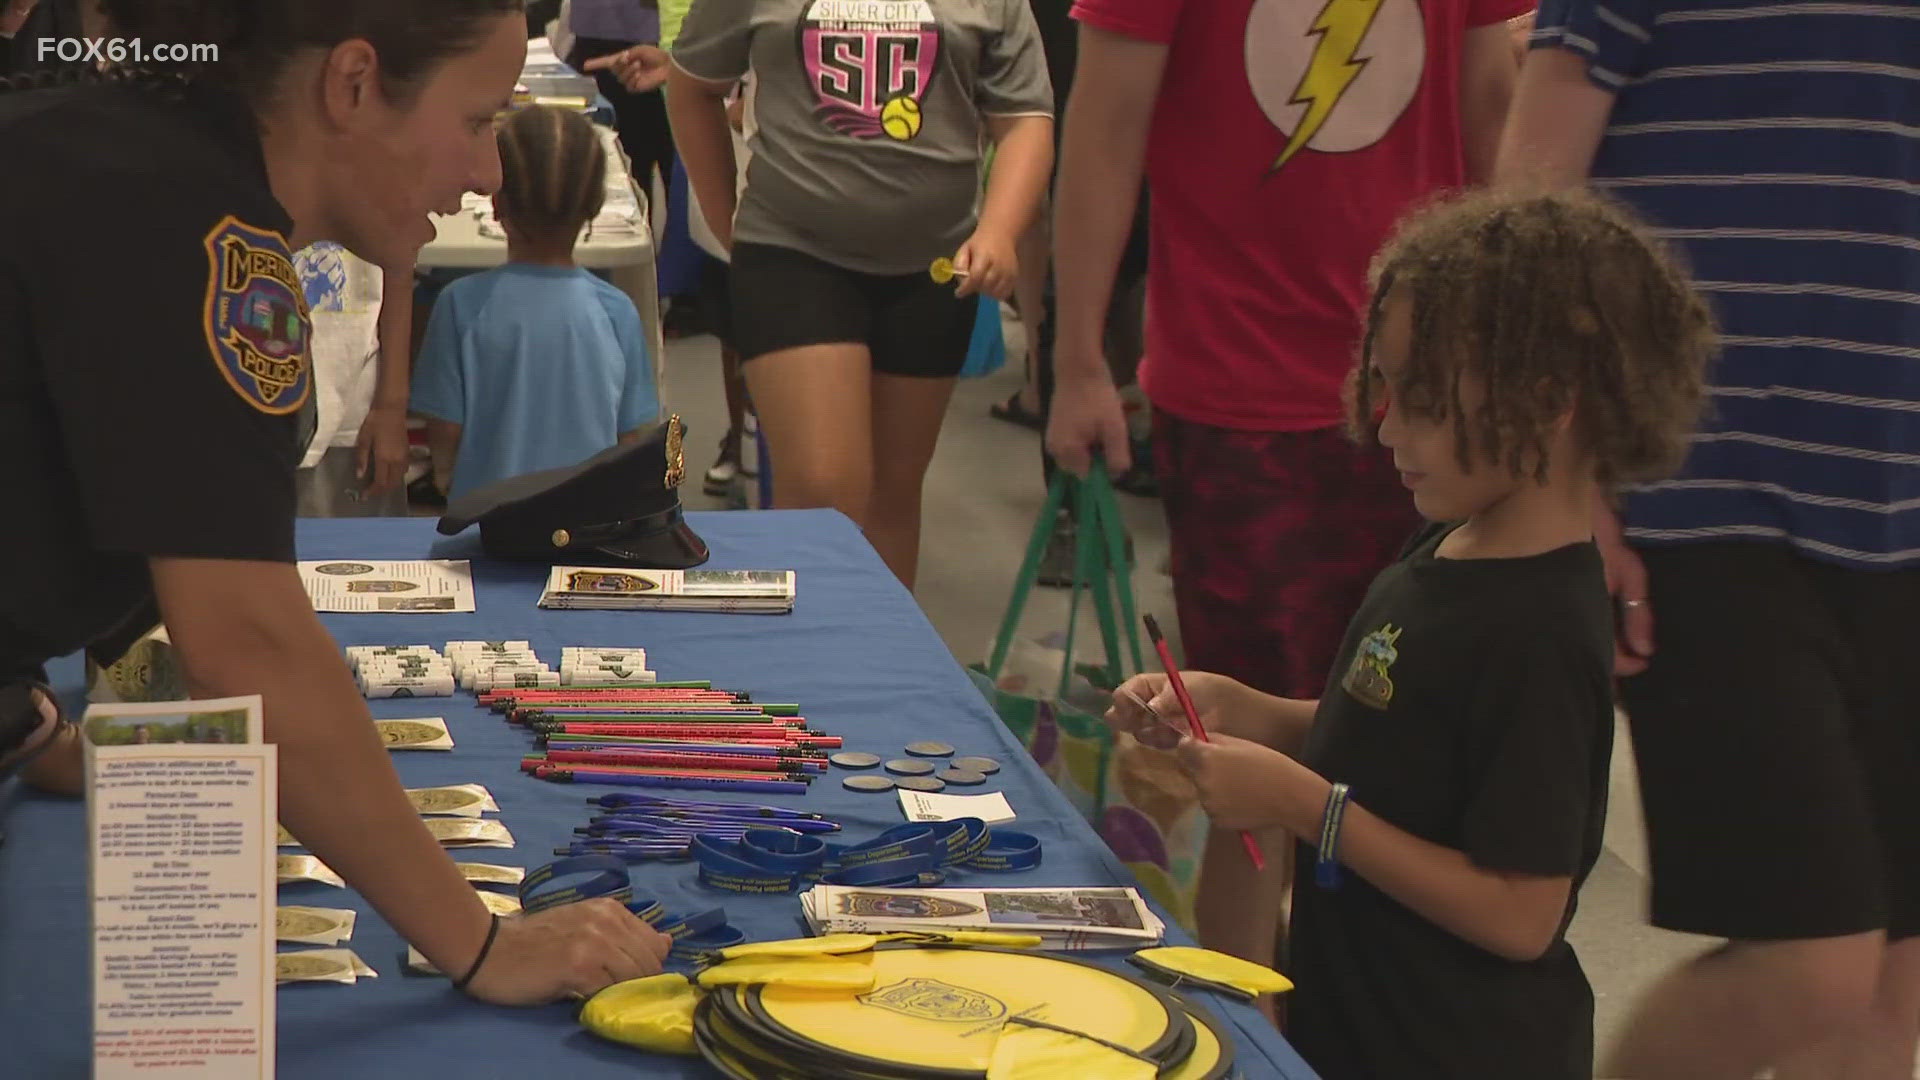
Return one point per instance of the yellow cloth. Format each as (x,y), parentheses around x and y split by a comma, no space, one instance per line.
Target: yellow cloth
(655,1013)
(823,972)
(1216,967)
(672,14)
(1024,1052)
(817,946)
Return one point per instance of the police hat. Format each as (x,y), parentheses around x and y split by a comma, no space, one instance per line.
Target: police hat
(619,505)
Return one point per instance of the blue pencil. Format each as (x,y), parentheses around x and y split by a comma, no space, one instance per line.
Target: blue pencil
(709,783)
(681,819)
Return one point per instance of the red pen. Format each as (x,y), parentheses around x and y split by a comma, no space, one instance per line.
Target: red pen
(1193,722)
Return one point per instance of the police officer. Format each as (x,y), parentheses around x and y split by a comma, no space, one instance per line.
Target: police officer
(153,379)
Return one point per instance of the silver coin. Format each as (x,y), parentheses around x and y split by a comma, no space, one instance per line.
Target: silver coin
(907,766)
(929,749)
(963,777)
(985,766)
(854,759)
(920,783)
(867,783)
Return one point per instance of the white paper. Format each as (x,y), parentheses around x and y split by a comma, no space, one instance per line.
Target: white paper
(180,820)
(430,586)
(927,806)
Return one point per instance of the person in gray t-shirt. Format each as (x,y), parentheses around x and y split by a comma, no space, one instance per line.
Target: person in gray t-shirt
(871,117)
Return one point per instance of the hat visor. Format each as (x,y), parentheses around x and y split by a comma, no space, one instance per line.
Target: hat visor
(676,548)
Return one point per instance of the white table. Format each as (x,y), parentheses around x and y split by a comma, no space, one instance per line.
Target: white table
(628,258)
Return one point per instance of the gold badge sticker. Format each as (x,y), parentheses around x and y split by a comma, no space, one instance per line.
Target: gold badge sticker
(311,925)
(320,965)
(415,734)
(469,832)
(462,800)
(490,874)
(291,868)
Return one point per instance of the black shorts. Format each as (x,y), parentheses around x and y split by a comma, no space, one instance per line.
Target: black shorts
(1778,736)
(716,299)
(786,299)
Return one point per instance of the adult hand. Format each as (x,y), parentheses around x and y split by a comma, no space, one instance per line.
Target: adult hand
(571,950)
(380,452)
(1146,707)
(990,264)
(1627,584)
(1244,785)
(1086,418)
(639,68)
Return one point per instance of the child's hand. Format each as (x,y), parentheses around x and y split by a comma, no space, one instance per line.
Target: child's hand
(640,68)
(990,265)
(1146,708)
(1244,785)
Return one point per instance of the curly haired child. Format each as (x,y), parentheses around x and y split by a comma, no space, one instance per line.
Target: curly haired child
(1449,787)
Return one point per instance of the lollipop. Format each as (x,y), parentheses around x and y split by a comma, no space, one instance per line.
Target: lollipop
(943,271)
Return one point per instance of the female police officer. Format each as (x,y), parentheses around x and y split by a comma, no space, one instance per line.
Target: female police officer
(153,376)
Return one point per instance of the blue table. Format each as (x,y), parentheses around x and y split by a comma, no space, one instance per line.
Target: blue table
(857,653)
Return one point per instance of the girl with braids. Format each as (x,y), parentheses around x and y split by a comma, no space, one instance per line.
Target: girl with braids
(535,364)
(155,388)
(1450,784)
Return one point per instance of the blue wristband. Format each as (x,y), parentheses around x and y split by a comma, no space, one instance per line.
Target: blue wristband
(1326,869)
(1007,851)
(609,879)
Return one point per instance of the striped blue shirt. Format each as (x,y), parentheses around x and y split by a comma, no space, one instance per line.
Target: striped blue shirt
(1778,146)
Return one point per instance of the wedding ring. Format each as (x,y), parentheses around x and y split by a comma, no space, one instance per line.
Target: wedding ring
(1633,603)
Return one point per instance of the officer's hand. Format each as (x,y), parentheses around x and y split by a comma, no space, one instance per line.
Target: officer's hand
(574,949)
(380,453)
(1086,418)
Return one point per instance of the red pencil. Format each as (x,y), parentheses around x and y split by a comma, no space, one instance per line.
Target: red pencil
(1193,721)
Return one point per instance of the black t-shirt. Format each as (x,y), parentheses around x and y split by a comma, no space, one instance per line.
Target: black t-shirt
(1472,707)
(154,366)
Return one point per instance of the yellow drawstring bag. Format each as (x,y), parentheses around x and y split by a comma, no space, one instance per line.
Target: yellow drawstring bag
(1184,963)
(654,1013)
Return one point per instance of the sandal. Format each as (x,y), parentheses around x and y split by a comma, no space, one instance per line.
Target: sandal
(1013,412)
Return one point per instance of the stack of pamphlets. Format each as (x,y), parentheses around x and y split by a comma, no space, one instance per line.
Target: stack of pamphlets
(1103,918)
(764,592)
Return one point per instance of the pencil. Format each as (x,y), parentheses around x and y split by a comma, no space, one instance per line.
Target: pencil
(1193,721)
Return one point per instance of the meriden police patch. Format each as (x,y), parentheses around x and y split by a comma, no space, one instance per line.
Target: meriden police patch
(257,321)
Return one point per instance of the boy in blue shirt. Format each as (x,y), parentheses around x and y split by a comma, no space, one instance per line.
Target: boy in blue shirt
(537,364)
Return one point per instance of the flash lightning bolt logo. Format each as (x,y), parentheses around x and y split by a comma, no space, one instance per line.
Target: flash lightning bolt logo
(1342,26)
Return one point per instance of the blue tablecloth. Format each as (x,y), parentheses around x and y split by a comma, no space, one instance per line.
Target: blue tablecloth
(856,652)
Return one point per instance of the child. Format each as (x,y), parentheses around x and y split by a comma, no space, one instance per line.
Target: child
(537,364)
(1523,353)
(870,119)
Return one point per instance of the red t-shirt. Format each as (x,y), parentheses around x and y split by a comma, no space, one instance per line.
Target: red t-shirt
(1267,206)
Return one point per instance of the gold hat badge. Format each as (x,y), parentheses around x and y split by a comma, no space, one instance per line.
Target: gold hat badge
(676,460)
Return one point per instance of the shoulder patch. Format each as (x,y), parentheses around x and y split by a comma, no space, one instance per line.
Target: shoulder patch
(256,320)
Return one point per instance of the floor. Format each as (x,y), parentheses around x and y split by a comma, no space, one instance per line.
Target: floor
(982,495)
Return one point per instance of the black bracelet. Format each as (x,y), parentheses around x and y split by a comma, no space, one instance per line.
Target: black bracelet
(493,931)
